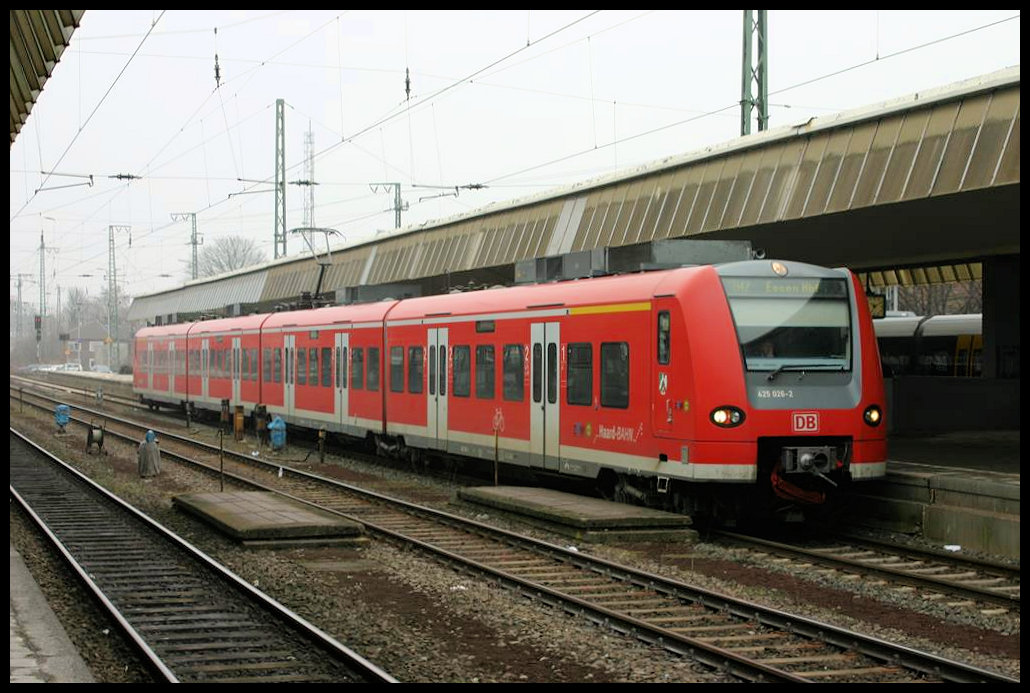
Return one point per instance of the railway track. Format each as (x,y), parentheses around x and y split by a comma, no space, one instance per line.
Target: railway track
(747,640)
(965,583)
(190,619)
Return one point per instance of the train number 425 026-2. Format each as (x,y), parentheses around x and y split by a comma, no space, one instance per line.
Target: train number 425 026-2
(765,393)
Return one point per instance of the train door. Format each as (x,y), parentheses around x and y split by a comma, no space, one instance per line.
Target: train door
(342,401)
(149,360)
(664,390)
(205,367)
(171,368)
(235,371)
(289,342)
(436,401)
(545,401)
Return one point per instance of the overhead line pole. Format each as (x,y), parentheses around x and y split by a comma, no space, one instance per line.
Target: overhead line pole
(194,239)
(112,295)
(754,73)
(280,180)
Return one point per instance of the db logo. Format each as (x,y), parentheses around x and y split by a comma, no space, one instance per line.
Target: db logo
(805,421)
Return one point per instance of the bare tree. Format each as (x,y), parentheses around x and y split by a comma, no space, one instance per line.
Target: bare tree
(942,299)
(227,254)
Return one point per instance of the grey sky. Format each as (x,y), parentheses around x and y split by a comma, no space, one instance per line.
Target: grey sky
(517,101)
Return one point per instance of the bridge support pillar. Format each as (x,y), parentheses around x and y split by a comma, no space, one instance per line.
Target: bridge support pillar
(1001,317)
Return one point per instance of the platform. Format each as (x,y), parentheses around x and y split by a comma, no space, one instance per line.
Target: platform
(959,488)
(41,651)
(257,518)
(580,517)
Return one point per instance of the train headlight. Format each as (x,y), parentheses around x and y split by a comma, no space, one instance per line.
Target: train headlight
(727,417)
(872,415)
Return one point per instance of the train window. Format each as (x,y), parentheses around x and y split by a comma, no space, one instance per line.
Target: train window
(302,366)
(552,373)
(373,369)
(327,367)
(266,365)
(462,371)
(313,366)
(245,369)
(342,365)
(357,369)
(514,382)
(615,374)
(538,364)
(396,369)
(791,323)
(432,370)
(664,344)
(255,364)
(485,371)
(443,370)
(415,369)
(277,371)
(580,388)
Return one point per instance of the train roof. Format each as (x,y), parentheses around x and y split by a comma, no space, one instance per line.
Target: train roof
(356,313)
(953,325)
(159,331)
(622,288)
(934,326)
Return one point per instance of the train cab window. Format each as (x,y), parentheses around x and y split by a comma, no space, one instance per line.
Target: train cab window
(313,366)
(432,370)
(538,364)
(664,334)
(485,371)
(615,375)
(396,369)
(791,323)
(580,388)
(552,373)
(373,369)
(462,371)
(415,369)
(327,367)
(512,375)
(357,369)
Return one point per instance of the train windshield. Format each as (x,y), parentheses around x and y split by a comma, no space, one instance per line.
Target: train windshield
(791,323)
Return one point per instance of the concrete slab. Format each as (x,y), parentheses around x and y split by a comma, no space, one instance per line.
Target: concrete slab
(255,516)
(581,517)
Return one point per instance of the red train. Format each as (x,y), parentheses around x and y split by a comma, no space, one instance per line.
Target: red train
(718,389)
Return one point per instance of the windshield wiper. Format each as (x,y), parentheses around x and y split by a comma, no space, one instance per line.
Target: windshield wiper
(802,367)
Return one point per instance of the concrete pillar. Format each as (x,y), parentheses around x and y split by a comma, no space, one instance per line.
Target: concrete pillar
(1001,317)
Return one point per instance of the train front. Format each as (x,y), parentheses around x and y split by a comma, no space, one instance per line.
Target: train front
(814,387)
